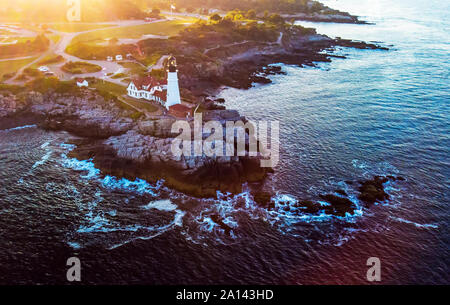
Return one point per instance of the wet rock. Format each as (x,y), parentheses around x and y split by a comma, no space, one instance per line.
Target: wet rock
(218,220)
(308,206)
(372,191)
(338,205)
(341,192)
(264,199)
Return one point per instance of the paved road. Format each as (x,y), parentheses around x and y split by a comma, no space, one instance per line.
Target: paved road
(60,47)
(108,67)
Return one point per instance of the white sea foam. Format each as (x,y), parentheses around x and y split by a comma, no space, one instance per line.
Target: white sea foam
(162,205)
(154,230)
(44,145)
(417,225)
(43,159)
(99,221)
(74,245)
(83,165)
(19,128)
(139,186)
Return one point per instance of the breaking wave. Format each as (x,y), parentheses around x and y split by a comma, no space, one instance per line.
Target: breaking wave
(417,225)
(100,218)
(219,217)
(19,128)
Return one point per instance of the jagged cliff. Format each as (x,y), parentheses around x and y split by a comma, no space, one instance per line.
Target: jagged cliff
(131,148)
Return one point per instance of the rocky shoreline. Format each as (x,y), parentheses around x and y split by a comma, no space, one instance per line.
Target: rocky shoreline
(124,146)
(240,65)
(129,148)
(332,18)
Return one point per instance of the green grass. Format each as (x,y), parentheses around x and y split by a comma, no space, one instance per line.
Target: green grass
(133,67)
(80,67)
(55,38)
(11,66)
(119,75)
(142,105)
(48,60)
(12,39)
(77,27)
(119,91)
(151,59)
(112,88)
(11,88)
(163,28)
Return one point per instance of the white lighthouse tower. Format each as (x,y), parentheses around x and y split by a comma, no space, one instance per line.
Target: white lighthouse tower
(173,91)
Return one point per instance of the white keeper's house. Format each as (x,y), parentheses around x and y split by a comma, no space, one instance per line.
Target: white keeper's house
(166,92)
(149,89)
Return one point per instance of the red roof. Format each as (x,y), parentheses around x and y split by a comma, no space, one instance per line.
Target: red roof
(147,81)
(180,111)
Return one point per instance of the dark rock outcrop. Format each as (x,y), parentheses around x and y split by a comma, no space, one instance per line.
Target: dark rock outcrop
(372,191)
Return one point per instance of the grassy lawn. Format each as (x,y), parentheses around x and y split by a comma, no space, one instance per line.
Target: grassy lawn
(133,67)
(120,91)
(119,75)
(49,60)
(77,27)
(11,66)
(147,106)
(14,39)
(112,88)
(163,28)
(55,38)
(152,59)
(80,67)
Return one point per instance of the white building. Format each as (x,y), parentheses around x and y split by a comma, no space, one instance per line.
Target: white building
(173,90)
(167,93)
(82,82)
(149,89)
(43,69)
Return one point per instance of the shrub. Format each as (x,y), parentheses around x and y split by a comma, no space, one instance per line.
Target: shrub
(80,67)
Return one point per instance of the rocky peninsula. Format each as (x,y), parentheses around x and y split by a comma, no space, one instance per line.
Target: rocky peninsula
(123,145)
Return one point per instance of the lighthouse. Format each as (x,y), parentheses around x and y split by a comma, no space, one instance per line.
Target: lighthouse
(173,91)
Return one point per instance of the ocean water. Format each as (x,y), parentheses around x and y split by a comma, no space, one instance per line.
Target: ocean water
(375,112)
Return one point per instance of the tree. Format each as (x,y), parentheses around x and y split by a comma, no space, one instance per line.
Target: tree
(316,7)
(238,17)
(251,14)
(276,19)
(156,11)
(215,17)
